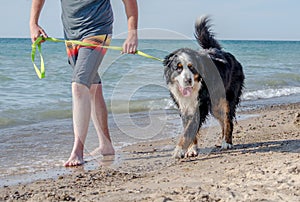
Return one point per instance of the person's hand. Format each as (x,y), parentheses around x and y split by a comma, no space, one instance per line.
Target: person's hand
(131,43)
(36,31)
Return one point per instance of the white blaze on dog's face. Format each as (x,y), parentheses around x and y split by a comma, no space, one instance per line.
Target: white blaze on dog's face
(185,78)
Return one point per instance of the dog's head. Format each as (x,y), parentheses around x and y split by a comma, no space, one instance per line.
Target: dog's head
(180,71)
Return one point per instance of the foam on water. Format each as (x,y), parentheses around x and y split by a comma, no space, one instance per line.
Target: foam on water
(270,93)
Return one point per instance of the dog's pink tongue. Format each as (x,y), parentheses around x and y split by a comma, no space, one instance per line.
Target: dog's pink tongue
(186,92)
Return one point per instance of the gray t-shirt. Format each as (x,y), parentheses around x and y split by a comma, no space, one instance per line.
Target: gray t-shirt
(83,18)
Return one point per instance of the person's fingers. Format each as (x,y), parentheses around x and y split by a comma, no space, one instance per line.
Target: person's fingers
(124,49)
(34,36)
(133,49)
(129,48)
(37,32)
(44,34)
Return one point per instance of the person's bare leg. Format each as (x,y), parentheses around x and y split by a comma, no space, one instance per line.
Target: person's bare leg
(81,119)
(99,117)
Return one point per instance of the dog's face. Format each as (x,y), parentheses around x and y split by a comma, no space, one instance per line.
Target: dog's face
(180,72)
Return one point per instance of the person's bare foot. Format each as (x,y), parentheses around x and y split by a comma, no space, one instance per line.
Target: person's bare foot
(104,150)
(107,149)
(74,160)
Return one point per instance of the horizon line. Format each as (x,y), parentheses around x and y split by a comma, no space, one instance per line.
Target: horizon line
(164,38)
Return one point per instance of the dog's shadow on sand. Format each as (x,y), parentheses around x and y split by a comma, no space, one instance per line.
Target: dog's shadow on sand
(281,146)
(291,146)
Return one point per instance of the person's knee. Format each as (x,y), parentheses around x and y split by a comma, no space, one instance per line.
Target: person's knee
(96,88)
(79,90)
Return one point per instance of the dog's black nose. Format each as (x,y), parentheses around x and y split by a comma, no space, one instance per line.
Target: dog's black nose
(188,81)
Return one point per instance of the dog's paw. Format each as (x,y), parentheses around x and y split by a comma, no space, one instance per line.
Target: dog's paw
(178,153)
(192,151)
(226,145)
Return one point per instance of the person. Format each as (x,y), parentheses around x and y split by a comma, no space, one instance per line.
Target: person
(89,21)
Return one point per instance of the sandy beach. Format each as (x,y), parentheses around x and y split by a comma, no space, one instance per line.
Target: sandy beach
(263,166)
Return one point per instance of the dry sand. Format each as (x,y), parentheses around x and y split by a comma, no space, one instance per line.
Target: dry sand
(263,166)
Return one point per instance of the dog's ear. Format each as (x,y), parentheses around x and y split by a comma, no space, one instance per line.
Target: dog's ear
(167,66)
(168,59)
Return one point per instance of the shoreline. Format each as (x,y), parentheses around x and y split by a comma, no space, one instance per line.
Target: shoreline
(58,170)
(264,164)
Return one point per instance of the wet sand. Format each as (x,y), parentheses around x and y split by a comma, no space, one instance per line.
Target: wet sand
(263,166)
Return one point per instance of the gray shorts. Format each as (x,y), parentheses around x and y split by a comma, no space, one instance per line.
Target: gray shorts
(85,61)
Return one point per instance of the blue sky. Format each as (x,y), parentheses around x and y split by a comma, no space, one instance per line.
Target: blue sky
(232,19)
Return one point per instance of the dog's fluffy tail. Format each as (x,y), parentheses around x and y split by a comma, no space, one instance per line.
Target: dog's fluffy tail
(203,34)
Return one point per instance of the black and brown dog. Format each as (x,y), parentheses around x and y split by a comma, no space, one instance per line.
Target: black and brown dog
(202,82)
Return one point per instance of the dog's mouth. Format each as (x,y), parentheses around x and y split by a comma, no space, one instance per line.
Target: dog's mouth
(185,91)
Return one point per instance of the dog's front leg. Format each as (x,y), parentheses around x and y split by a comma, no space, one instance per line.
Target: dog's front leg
(179,152)
(187,145)
(193,149)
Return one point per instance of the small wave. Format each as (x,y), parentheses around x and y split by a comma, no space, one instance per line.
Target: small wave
(4,78)
(270,93)
(122,106)
(6,121)
(11,117)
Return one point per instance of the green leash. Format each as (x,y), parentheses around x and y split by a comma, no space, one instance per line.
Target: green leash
(41,71)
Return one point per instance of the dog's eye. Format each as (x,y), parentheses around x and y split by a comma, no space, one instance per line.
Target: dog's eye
(179,65)
(191,67)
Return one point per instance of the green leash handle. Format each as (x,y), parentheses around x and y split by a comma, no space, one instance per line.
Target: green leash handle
(37,44)
(40,72)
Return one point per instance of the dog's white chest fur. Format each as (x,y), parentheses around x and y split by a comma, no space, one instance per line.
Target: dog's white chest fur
(187,105)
